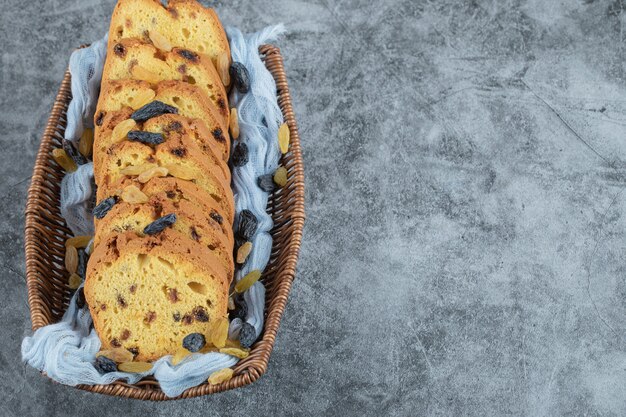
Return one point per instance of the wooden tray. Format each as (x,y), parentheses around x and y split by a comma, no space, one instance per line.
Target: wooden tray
(46,232)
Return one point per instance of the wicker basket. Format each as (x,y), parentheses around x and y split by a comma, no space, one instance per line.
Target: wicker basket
(46,232)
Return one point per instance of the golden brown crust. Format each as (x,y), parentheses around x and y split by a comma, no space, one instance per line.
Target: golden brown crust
(168,243)
(191,221)
(182,189)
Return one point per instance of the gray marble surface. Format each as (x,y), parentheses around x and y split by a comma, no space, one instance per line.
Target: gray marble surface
(465,248)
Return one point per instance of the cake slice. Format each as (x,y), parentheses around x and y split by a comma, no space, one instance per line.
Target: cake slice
(179,190)
(139,60)
(132,159)
(188,100)
(180,133)
(192,134)
(184,23)
(191,221)
(146,294)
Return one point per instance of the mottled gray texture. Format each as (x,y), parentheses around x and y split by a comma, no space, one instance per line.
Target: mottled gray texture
(465,246)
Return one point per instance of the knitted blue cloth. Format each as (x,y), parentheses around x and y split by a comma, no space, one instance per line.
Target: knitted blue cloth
(66,350)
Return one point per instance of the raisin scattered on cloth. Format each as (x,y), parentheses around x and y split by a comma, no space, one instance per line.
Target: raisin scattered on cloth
(240,155)
(194,342)
(240,77)
(247,335)
(248,224)
(105,365)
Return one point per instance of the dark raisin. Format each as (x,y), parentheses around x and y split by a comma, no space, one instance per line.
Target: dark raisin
(73,153)
(241,309)
(170,194)
(221,103)
(82,263)
(194,234)
(132,288)
(172,294)
(152,109)
(187,319)
(218,135)
(194,342)
(103,208)
(119,50)
(248,224)
(160,224)
(103,307)
(247,335)
(200,314)
(115,343)
(240,76)
(182,69)
(179,152)
(266,183)
(217,217)
(176,316)
(134,351)
(125,334)
(121,301)
(80,298)
(105,365)
(188,55)
(146,137)
(240,155)
(150,317)
(100,118)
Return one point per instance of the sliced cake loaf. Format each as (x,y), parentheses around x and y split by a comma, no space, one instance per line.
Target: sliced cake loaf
(188,100)
(147,293)
(138,60)
(191,221)
(162,262)
(184,23)
(142,162)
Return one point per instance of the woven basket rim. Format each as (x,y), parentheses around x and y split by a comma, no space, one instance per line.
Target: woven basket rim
(45,232)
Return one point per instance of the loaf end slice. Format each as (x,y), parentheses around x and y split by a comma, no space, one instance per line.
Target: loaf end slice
(146,294)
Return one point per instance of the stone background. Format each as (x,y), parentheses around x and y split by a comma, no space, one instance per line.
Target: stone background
(465,168)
